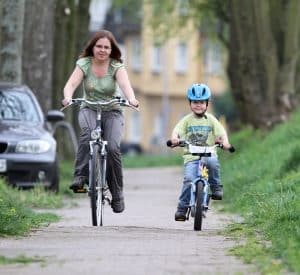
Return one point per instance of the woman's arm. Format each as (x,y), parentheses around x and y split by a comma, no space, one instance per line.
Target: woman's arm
(124,84)
(73,82)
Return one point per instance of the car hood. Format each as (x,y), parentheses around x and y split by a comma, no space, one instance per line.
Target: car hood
(14,131)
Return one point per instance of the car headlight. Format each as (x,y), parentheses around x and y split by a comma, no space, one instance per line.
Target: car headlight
(33,146)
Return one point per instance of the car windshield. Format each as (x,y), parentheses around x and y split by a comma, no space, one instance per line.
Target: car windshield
(15,105)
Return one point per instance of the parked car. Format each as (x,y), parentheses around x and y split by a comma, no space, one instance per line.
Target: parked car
(28,154)
(130,148)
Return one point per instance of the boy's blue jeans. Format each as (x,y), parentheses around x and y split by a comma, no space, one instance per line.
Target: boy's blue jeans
(191,172)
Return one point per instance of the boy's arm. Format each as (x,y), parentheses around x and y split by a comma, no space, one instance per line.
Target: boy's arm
(175,138)
(221,135)
(178,131)
(224,140)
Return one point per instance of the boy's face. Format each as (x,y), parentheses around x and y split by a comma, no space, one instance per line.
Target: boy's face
(199,107)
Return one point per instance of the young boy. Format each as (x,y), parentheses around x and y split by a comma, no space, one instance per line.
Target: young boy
(203,129)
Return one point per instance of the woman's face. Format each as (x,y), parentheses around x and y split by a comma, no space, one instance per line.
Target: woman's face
(102,49)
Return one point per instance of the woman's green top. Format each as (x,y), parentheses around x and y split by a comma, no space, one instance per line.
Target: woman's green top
(99,88)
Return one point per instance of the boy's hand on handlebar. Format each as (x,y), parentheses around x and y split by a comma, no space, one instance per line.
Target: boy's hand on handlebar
(228,147)
(172,142)
(175,141)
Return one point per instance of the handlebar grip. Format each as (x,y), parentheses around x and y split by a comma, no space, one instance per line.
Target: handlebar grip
(169,143)
(231,149)
(181,143)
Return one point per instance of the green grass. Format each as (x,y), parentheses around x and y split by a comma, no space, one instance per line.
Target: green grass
(16,218)
(21,259)
(147,160)
(17,215)
(262,183)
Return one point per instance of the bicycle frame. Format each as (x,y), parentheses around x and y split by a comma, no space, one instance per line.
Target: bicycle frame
(203,177)
(97,162)
(200,188)
(97,177)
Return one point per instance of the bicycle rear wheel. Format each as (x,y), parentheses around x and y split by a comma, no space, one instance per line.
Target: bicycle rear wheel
(96,195)
(199,206)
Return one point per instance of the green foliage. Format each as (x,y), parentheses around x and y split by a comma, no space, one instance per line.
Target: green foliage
(16,218)
(16,214)
(168,18)
(131,10)
(20,259)
(262,183)
(224,105)
(152,160)
(66,177)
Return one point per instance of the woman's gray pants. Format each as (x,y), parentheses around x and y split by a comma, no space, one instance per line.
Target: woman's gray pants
(112,123)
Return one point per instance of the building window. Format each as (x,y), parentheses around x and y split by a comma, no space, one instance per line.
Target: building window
(181,58)
(136,56)
(158,129)
(212,58)
(156,64)
(134,129)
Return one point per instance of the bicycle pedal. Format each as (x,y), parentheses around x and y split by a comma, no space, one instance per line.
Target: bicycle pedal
(80,190)
(181,219)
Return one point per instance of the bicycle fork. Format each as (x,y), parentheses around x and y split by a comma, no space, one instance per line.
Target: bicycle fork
(201,179)
(103,157)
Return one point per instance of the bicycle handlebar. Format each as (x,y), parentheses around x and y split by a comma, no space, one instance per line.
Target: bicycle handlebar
(115,101)
(183,143)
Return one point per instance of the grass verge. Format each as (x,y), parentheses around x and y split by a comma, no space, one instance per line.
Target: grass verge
(262,184)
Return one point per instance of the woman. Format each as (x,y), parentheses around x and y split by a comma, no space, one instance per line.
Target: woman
(100,68)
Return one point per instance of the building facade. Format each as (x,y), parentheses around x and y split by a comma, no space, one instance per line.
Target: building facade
(160,74)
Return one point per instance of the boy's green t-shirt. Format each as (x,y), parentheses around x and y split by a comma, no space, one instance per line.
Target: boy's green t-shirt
(99,88)
(199,131)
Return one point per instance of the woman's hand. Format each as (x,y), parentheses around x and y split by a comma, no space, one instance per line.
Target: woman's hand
(66,101)
(134,102)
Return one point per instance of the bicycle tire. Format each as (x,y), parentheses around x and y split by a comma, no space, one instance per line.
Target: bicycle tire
(199,206)
(95,190)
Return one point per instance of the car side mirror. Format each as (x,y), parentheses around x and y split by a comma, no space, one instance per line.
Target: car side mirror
(55,115)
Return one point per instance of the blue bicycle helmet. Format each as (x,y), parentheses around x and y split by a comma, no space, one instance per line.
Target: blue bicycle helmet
(198,92)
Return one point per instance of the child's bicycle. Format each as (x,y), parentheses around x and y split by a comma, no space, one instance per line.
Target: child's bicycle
(200,190)
(97,187)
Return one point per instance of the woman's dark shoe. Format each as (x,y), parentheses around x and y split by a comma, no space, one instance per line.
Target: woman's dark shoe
(78,185)
(118,205)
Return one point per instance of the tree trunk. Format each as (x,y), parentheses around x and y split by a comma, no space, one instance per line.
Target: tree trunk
(263,53)
(11,24)
(71,30)
(38,49)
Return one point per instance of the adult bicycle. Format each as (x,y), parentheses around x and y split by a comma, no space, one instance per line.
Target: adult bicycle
(200,187)
(97,186)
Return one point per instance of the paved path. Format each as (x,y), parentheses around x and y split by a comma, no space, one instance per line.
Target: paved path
(144,239)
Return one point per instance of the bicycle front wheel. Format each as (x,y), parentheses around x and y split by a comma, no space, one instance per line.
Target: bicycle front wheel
(96,195)
(199,206)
